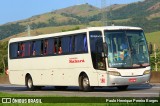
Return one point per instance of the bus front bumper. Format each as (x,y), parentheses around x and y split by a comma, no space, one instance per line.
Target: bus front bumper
(127,80)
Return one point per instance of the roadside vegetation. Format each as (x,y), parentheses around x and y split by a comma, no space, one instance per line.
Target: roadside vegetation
(154,48)
(3,57)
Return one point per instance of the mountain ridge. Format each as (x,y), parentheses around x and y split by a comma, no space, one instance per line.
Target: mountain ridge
(143,14)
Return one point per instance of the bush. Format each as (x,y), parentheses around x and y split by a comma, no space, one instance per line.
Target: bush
(153,61)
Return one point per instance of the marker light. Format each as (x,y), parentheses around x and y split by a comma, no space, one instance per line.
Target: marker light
(6,72)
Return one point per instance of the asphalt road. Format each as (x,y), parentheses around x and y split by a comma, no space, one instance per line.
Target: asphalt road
(144,90)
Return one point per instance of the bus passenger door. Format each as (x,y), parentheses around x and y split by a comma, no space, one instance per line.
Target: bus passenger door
(97,55)
(101,64)
(100,59)
(96,46)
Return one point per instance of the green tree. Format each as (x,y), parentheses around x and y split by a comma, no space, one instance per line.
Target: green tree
(3,56)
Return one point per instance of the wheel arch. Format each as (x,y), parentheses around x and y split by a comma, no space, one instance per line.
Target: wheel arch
(26,76)
(81,74)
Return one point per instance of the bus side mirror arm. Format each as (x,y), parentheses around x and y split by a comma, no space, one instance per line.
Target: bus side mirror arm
(105,48)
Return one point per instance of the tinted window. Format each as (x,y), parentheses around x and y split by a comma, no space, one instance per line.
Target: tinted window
(13,50)
(72,44)
(38,47)
(81,43)
(66,44)
(27,49)
(45,47)
(21,49)
(33,48)
(50,46)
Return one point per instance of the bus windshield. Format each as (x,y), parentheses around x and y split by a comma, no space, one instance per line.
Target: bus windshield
(127,49)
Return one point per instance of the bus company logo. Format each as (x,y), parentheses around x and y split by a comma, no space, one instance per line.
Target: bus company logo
(103,80)
(6,100)
(76,60)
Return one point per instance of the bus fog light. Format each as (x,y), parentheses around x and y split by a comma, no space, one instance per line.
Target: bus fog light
(146,72)
(115,73)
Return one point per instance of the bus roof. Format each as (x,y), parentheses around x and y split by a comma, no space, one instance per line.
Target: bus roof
(115,28)
(75,32)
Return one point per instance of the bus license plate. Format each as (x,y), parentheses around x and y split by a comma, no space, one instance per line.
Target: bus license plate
(132,80)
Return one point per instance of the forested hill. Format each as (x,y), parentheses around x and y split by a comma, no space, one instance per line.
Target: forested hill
(145,14)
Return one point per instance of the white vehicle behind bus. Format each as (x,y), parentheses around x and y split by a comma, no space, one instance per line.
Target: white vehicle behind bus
(93,57)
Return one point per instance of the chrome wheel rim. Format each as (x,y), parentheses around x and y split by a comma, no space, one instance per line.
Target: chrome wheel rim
(85,82)
(29,83)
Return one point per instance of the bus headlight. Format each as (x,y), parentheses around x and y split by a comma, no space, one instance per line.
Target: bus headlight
(115,73)
(146,72)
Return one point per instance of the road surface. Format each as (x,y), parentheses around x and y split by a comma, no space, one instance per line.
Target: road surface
(144,90)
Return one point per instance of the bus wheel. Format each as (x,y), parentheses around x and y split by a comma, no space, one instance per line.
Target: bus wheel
(85,83)
(29,83)
(122,88)
(61,87)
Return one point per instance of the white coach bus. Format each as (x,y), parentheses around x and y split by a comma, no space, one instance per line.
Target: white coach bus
(93,57)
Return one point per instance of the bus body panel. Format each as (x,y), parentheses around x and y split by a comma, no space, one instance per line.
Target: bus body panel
(47,71)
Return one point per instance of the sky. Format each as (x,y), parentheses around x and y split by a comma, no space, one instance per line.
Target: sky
(14,10)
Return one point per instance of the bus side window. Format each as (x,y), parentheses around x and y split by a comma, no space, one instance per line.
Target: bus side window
(65,43)
(42,47)
(80,43)
(45,50)
(85,43)
(55,47)
(38,47)
(50,46)
(27,49)
(21,48)
(13,50)
(33,48)
(59,46)
(18,51)
(72,44)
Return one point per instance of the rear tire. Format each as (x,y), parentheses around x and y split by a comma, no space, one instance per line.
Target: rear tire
(122,88)
(29,83)
(84,83)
